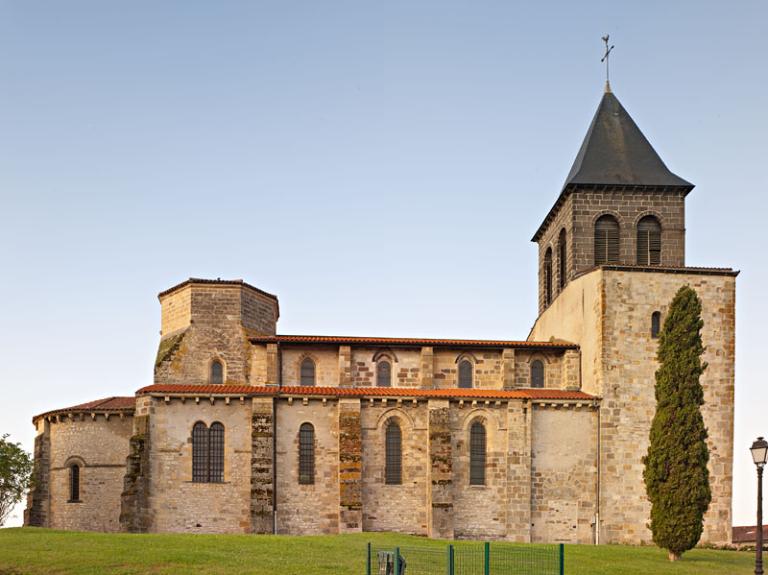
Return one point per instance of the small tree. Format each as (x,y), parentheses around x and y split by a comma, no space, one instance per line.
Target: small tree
(15,474)
(676,475)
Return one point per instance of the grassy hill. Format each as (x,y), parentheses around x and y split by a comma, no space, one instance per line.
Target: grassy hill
(40,551)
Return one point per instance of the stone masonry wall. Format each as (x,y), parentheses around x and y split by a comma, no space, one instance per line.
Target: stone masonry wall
(629,402)
(314,508)
(179,504)
(564,475)
(480,511)
(608,313)
(401,508)
(37,511)
(262,465)
(100,447)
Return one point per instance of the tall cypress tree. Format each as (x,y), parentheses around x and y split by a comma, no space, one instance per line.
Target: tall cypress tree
(676,475)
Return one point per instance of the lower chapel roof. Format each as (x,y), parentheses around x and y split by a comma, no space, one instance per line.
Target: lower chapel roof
(127,404)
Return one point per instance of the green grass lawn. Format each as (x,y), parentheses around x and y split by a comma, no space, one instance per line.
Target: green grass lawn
(40,551)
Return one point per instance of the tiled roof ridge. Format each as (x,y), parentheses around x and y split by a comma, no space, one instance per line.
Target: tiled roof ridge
(285,338)
(112,403)
(444,393)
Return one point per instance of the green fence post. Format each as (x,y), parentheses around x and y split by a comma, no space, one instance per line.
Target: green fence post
(397,561)
(368,561)
(562,559)
(487,559)
(449,565)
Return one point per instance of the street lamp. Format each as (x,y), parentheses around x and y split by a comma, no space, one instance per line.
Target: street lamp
(759,451)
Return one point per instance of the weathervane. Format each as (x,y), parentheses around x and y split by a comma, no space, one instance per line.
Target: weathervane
(605,59)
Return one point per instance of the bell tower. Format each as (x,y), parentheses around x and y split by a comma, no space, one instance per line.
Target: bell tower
(620,205)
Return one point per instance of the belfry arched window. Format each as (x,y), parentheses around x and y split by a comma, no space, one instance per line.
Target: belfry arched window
(562,260)
(393,456)
(307,375)
(465,373)
(306,454)
(548,277)
(217,372)
(648,242)
(383,373)
(537,373)
(208,453)
(606,240)
(74,482)
(477,454)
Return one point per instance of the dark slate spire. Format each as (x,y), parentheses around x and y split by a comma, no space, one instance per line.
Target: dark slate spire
(615,152)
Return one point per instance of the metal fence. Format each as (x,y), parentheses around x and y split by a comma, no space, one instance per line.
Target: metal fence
(467,559)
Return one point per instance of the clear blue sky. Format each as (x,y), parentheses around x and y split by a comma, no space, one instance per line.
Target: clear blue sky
(381,166)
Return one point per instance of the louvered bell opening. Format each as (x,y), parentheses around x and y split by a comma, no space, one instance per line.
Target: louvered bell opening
(648,242)
(548,276)
(606,241)
(561,260)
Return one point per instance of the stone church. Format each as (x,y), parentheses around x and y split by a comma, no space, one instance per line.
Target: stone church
(245,430)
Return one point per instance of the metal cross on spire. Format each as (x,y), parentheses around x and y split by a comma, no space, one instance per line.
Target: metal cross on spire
(605,59)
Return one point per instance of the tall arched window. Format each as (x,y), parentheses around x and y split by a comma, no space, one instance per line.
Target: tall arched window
(393,464)
(307,372)
(477,454)
(208,453)
(384,373)
(606,240)
(217,372)
(306,454)
(548,277)
(200,453)
(216,453)
(648,242)
(562,262)
(655,324)
(74,482)
(465,373)
(537,373)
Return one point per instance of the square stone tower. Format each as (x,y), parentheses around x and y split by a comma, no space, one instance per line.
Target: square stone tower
(205,330)
(611,258)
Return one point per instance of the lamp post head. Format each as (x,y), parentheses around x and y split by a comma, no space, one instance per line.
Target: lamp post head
(759,451)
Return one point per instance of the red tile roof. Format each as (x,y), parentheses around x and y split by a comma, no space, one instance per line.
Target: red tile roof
(409,392)
(115,403)
(405,341)
(748,534)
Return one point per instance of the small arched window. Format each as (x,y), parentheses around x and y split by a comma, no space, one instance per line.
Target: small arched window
(307,372)
(217,372)
(200,453)
(655,324)
(537,373)
(606,240)
(648,242)
(393,464)
(548,277)
(74,482)
(465,373)
(477,454)
(562,261)
(384,374)
(306,454)
(216,453)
